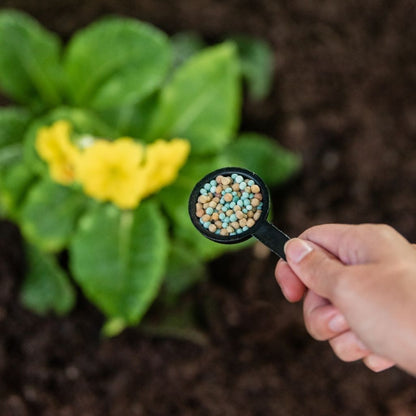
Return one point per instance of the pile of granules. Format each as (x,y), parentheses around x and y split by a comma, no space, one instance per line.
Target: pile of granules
(229,205)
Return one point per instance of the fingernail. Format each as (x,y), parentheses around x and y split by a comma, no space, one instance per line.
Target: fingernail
(377,363)
(297,249)
(338,323)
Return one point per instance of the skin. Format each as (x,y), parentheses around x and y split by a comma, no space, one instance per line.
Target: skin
(358,284)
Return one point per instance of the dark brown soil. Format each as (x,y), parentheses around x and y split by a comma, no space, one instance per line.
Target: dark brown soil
(345,98)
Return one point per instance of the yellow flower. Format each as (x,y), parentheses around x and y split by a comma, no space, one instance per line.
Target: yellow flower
(163,161)
(53,145)
(121,171)
(109,171)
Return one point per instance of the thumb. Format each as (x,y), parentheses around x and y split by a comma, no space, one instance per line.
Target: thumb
(318,269)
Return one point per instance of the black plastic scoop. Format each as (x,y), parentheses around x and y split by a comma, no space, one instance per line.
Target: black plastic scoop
(222,209)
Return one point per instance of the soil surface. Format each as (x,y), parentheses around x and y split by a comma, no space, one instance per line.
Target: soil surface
(344,97)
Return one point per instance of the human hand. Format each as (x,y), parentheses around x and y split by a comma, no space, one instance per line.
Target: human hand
(360,285)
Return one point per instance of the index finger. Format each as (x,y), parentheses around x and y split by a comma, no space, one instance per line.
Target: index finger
(328,236)
(357,244)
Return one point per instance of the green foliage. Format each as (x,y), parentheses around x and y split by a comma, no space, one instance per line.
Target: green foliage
(46,286)
(13,175)
(13,123)
(49,215)
(264,156)
(119,259)
(30,71)
(256,65)
(115,61)
(122,77)
(182,258)
(185,44)
(201,102)
(255,56)
(15,181)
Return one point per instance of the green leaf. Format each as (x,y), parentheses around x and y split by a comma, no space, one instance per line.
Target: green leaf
(202,101)
(13,123)
(13,175)
(46,286)
(264,156)
(131,120)
(257,65)
(14,183)
(49,215)
(183,271)
(116,61)
(118,258)
(29,60)
(185,45)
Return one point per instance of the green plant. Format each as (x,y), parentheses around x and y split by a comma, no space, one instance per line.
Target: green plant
(90,114)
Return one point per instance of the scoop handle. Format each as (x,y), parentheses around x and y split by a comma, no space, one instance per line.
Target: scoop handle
(273,238)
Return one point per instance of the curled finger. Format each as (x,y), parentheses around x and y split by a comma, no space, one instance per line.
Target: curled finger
(322,319)
(376,363)
(293,289)
(348,347)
